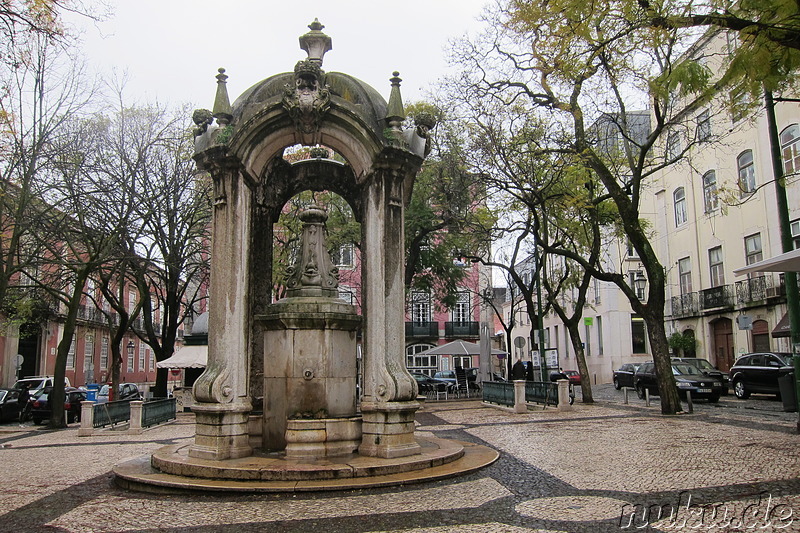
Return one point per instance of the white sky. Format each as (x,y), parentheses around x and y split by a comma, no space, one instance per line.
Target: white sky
(171,49)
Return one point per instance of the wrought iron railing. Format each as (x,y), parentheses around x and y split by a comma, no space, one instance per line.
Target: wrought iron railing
(461,329)
(685,305)
(499,392)
(111,413)
(157,411)
(759,288)
(422,329)
(541,392)
(722,296)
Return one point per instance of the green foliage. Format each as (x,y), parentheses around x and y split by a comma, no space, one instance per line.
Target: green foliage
(683,343)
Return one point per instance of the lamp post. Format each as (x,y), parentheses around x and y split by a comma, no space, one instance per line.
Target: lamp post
(131,348)
(639,285)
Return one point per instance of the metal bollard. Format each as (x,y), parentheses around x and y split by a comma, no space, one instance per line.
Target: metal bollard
(646,397)
(625,395)
(689,401)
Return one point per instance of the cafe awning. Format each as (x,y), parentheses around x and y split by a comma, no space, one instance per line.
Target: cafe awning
(783,328)
(187,357)
(786,262)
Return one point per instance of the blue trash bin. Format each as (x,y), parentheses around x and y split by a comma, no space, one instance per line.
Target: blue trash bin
(91,392)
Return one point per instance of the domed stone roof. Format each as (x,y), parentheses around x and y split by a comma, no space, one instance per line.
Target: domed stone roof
(345,90)
(200,326)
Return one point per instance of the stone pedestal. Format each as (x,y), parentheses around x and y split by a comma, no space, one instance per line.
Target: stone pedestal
(520,406)
(309,365)
(221,431)
(388,429)
(327,437)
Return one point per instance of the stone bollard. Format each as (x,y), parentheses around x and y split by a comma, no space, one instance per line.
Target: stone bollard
(519,396)
(87,419)
(135,423)
(563,395)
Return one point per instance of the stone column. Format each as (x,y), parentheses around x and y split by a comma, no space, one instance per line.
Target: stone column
(389,402)
(563,395)
(520,406)
(221,393)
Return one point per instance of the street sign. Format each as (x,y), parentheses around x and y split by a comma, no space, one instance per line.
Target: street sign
(588,321)
(18,360)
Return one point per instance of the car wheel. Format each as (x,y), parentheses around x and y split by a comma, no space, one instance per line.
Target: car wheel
(640,391)
(740,391)
(713,399)
(616,384)
(70,418)
(37,421)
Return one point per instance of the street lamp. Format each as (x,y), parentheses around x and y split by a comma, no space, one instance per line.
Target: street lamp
(640,284)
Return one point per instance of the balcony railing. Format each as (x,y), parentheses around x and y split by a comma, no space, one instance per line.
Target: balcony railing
(685,305)
(422,329)
(758,289)
(715,297)
(461,329)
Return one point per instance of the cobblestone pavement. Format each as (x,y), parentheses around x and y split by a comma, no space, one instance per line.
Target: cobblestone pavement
(602,467)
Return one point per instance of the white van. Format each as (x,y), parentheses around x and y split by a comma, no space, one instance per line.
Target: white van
(37,383)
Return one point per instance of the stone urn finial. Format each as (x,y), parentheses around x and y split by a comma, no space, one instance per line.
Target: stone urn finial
(316,43)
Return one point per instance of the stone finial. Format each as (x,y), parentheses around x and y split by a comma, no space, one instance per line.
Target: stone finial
(395,114)
(222,104)
(315,43)
(313,274)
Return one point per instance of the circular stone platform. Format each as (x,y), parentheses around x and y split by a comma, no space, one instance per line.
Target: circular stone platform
(170,469)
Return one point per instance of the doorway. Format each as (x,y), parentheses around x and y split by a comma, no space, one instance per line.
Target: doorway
(722,338)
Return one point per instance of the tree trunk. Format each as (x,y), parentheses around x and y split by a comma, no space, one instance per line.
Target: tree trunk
(580,356)
(670,401)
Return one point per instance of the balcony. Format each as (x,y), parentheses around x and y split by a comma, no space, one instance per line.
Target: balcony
(685,305)
(717,297)
(461,329)
(422,329)
(759,289)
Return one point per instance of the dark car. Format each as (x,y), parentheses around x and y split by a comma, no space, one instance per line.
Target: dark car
(127,391)
(707,369)
(450,376)
(9,406)
(687,377)
(758,373)
(41,405)
(623,376)
(425,383)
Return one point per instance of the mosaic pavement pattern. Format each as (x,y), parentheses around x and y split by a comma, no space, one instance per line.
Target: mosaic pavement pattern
(606,467)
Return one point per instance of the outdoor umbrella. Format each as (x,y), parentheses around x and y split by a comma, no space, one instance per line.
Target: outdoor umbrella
(458,348)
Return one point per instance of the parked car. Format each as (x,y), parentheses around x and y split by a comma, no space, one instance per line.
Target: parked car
(37,383)
(758,373)
(9,406)
(687,378)
(127,391)
(707,369)
(623,376)
(425,383)
(42,406)
(450,376)
(573,376)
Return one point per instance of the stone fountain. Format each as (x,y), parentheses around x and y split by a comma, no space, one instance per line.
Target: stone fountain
(276,407)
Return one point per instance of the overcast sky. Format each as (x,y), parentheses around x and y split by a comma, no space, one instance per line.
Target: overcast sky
(171,49)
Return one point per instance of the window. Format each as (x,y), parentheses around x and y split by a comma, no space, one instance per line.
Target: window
(461,311)
(88,353)
(346,294)
(795,227)
(790,147)
(632,276)
(703,127)
(599,321)
(710,198)
(462,361)
(343,256)
(747,173)
(638,335)
(129,357)
(151,365)
(427,364)
(71,355)
(104,353)
(685,275)
(752,249)
(587,337)
(631,251)
(420,307)
(597,292)
(673,149)
(715,264)
(140,366)
(679,199)
(131,301)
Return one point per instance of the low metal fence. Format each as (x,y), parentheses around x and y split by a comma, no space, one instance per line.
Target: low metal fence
(111,413)
(158,411)
(541,392)
(499,392)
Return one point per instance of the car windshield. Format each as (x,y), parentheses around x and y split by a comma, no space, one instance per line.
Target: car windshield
(3,395)
(103,390)
(702,364)
(685,369)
